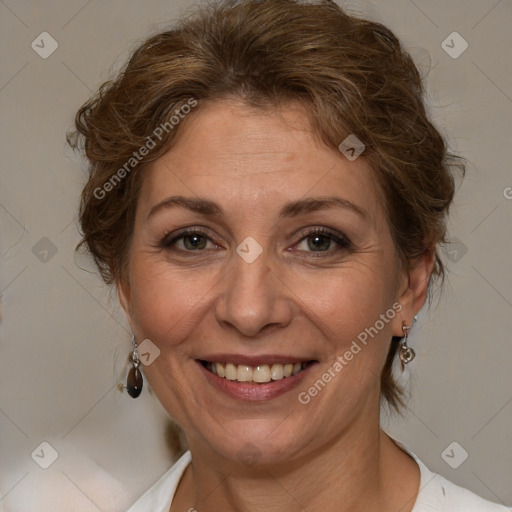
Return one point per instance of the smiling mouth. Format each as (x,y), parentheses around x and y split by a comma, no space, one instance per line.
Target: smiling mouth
(260,374)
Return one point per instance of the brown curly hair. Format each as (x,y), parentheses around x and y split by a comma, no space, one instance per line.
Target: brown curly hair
(352,75)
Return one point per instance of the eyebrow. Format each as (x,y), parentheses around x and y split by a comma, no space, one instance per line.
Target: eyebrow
(198,205)
(313,204)
(292,209)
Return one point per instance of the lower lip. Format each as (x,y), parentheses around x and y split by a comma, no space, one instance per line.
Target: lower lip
(253,392)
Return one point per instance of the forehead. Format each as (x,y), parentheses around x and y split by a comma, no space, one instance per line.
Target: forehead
(248,158)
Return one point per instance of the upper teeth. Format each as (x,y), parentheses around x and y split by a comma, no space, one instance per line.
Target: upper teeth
(261,373)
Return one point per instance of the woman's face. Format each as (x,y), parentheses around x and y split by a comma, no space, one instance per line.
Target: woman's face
(256,247)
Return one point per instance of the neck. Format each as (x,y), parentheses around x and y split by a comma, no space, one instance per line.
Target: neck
(360,470)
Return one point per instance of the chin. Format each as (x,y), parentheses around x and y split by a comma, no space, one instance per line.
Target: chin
(257,441)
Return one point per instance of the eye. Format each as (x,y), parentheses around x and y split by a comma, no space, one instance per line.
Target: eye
(322,240)
(191,240)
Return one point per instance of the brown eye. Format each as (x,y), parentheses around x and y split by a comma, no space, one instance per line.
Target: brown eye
(323,241)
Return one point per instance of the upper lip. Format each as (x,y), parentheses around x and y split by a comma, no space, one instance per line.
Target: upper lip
(254,360)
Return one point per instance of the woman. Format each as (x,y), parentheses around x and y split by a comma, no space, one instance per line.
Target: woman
(267,194)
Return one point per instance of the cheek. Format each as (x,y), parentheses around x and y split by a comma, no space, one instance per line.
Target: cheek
(166,302)
(344,302)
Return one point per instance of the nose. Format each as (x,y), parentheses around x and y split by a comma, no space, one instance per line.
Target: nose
(254,301)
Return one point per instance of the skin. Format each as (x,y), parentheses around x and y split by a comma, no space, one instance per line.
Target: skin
(292,300)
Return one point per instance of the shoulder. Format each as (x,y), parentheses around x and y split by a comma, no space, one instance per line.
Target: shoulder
(158,497)
(458,498)
(437,494)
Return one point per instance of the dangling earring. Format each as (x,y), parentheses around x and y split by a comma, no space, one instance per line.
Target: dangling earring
(406,353)
(134,380)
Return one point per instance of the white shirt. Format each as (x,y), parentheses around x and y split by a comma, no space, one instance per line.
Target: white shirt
(436,493)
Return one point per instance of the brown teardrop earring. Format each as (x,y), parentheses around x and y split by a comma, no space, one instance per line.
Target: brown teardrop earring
(134,381)
(406,353)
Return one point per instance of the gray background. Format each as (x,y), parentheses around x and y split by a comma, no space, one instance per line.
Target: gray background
(64,340)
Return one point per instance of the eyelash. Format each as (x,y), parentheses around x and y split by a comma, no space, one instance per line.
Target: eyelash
(341,240)
(167,244)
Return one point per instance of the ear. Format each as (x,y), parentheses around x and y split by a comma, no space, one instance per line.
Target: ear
(124,295)
(413,290)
